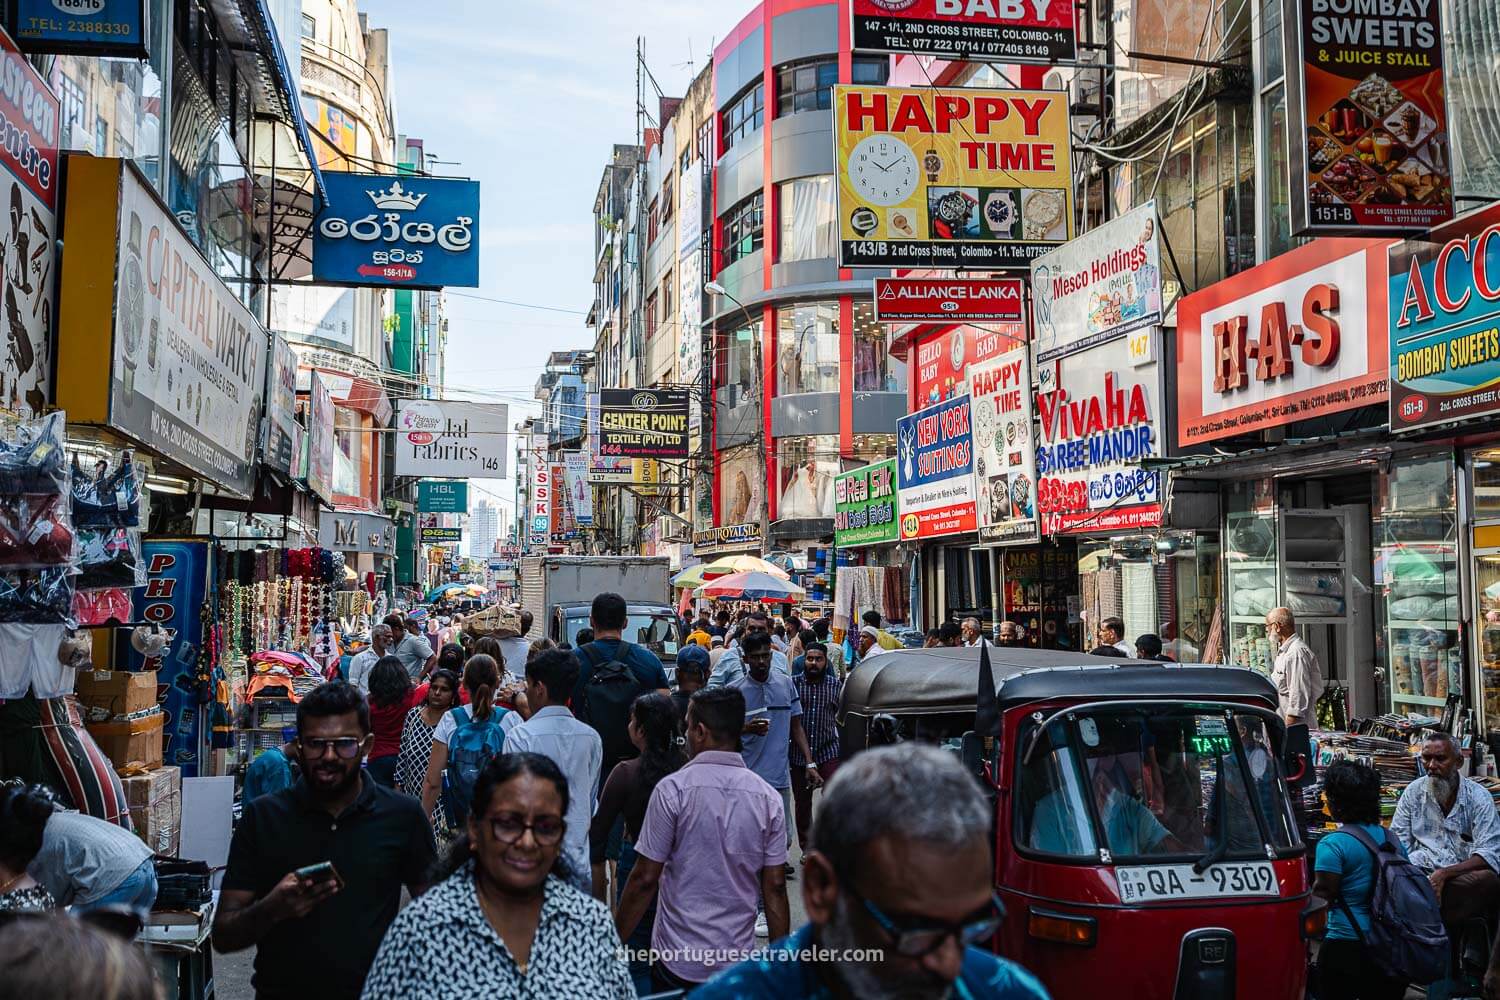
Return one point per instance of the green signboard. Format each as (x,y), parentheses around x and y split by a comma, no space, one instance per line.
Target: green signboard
(437,496)
(865,506)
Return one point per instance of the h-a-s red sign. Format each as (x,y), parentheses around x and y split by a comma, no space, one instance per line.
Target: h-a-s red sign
(948,300)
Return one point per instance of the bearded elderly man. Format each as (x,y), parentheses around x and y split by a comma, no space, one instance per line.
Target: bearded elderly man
(1450,829)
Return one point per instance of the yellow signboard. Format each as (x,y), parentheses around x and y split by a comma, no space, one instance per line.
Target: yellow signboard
(951,178)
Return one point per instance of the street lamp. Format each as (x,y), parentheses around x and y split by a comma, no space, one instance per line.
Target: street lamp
(716,288)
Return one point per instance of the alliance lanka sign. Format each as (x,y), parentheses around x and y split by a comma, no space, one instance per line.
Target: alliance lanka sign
(948,300)
(865,506)
(935,465)
(397,232)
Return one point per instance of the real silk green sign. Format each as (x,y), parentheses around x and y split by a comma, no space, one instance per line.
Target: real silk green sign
(865,505)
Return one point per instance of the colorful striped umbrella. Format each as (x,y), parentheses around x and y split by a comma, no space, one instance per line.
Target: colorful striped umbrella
(753,587)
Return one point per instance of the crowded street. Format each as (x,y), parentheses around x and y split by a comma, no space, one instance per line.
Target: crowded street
(766,499)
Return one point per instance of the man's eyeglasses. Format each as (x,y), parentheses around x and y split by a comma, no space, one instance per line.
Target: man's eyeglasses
(346,747)
(510,827)
(919,940)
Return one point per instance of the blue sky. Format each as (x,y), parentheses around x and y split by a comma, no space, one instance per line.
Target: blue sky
(530,97)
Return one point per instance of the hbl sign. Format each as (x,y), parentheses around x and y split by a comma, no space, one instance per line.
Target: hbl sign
(437,497)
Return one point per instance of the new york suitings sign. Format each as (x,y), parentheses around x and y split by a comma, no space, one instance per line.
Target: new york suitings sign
(935,466)
(980,30)
(643,423)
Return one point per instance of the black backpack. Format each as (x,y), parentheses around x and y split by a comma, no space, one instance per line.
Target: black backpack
(1406,939)
(607,696)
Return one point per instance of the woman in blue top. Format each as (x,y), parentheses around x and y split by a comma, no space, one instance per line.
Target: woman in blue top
(1343,875)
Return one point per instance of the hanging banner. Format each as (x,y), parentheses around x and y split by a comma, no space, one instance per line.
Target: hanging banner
(96,28)
(951,178)
(643,423)
(935,453)
(942,360)
(1367,125)
(1004,448)
(177,585)
(404,232)
(442,498)
(451,440)
(1445,324)
(1097,426)
(320,439)
(281,407)
(970,30)
(948,300)
(865,506)
(540,516)
(1099,286)
(580,493)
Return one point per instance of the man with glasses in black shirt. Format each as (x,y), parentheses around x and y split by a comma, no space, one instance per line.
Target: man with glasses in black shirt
(315,871)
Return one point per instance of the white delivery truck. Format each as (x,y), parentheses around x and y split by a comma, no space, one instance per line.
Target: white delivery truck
(559,590)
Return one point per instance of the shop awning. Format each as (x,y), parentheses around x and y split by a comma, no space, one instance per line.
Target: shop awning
(358,394)
(1293,456)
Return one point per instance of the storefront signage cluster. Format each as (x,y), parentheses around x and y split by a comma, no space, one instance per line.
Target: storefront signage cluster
(401,232)
(442,498)
(981,30)
(449,439)
(948,300)
(865,510)
(1445,324)
(281,408)
(81,27)
(643,423)
(1301,336)
(727,538)
(540,516)
(951,178)
(1004,448)
(935,466)
(1100,286)
(580,493)
(1367,127)
(1098,427)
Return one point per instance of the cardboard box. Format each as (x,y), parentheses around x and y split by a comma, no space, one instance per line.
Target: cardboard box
(118,692)
(137,741)
(155,800)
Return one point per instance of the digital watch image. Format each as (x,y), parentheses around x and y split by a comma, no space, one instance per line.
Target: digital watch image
(953,213)
(999,499)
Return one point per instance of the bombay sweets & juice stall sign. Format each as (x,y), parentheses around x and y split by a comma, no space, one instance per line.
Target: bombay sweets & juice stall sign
(397,232)
(865,506)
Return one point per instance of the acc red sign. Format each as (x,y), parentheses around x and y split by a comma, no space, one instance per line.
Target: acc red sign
(1007,30)
(947,300)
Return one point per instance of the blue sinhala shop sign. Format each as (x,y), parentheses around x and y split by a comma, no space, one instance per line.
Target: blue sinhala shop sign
(390,231)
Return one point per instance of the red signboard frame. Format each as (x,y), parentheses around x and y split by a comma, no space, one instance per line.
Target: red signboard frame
(949,300)
(980,30)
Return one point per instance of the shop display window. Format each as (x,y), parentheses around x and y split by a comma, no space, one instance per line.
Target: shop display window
(1416,583)
(1166,585)
(807,346)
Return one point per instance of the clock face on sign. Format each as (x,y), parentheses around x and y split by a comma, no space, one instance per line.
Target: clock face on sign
(883,170)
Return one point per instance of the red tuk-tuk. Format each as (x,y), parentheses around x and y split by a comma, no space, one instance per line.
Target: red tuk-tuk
(1145,846)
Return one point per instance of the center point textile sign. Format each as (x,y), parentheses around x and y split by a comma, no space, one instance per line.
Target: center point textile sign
(935,466)
(1445,324)
(951,178)
(982,30)
(865,506)
(392,231)
(643,423)
(1004,448)
(451,439)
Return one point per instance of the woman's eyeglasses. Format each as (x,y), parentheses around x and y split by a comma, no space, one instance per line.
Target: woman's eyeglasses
(346,747)
(510,827)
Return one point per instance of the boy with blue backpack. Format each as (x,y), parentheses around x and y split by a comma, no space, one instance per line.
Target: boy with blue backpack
(466,739)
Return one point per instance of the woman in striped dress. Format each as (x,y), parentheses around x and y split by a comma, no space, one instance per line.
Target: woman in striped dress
(416,739)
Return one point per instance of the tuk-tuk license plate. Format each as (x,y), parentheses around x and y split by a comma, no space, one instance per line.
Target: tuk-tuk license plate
(1158,882)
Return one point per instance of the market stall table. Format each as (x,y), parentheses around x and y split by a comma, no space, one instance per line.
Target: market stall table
(176,941)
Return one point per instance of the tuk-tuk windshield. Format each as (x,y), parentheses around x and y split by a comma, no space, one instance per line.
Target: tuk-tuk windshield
(1152,783)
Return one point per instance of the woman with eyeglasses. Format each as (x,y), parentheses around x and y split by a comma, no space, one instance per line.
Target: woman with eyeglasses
(505,905)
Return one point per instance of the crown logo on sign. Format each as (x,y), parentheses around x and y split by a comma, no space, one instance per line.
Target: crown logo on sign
(396,198)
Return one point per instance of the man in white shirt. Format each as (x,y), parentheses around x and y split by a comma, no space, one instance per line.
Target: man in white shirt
(517,647)
(1299,680)
(1112,633)
(971,629)
(574,746)
(364,661)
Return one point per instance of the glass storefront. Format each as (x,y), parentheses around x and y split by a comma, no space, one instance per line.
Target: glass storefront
(874,368)
(806,469)
(807,348)
(740,485)
(1484,475)
(739,351)
(1166,584)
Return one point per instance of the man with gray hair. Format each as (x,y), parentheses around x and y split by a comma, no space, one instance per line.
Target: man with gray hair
(363,662)
(1299,680)
(971,629)
(900,885)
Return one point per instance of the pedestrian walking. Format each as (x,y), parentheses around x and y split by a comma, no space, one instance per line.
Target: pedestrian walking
(692,672)
(464,741)
(611,674)
(898,888)
(517,648)
(416,738)
(656,730)
(1008,635)
(1111,632)
(413,649)
(575,747)
(731,667)
(712,843)
(24,811)
(970,630)
(818,691)
(323,861)
(364,661)
(451,658)
(1299,680)
(1344,875)
(390,699)
(1148,647)
(504,920)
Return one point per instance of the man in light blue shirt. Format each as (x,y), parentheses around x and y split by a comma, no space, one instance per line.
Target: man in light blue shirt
(731,666)
(773,722)
(1060,827)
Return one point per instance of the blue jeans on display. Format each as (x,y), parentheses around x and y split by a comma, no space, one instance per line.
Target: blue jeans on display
(640,940)
(137,892)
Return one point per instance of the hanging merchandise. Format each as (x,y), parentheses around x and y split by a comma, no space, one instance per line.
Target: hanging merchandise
(31,457)
(36,536)
(36,597)
(111,499)
(109,558)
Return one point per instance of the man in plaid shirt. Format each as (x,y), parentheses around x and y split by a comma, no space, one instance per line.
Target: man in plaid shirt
(819,690)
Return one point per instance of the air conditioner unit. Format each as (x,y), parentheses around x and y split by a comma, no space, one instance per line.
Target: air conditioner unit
(669,529)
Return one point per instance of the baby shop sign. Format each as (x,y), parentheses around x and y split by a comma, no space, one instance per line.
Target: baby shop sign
(397,232)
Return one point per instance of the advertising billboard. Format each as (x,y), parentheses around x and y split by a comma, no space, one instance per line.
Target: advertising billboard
(539,516)
(643,423)
(865,506)
(80,27)
(337,133)
(397,232)
(741,537)
(446,439)
(178,581)
(948,300)
(1445,324)
(978,30)
(580,492)
(320,438)
(352,531)
(935,466)
(1004,448)
(316,313)
(1101,285)
(1367,127)
(941,361)
(439,497)
(951,178)
(1095,429)
(1300,336)
(281,408)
